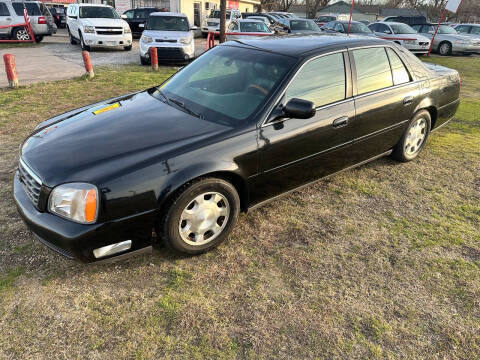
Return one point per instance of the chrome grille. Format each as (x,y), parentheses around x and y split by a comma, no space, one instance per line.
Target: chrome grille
(165,40)
(423,43)
(31,182)
(212,23)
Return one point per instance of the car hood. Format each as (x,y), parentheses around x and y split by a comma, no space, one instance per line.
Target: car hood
(166,35)
(417,37)
(103,139)
(104,22)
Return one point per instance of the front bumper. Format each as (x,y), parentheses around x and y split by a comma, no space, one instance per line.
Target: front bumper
(207,29)
(77,241)
(169,51)
(107,41)
(417,49)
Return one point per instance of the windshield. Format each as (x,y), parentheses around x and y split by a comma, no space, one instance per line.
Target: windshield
(326,18)
(216,14)
(359,28)
(168,23)
(402,29)
(97,12)
(444,29)
(228,84)
(253,27)
(303,25)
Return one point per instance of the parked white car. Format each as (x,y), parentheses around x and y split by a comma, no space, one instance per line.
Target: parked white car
(212,23)
(397,32)
(94,25)
(170,33)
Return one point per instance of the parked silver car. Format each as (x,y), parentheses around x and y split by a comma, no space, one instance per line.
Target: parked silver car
(448,40)
(402,34)
(247,29)
(11,13)
(472,30)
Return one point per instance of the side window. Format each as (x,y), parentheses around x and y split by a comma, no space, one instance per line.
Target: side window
(475,30)
(372,75)
(339,28)
(463,29)
(384,29)
(321,81)
(374,27)
(418,28)
(399,72)
(4,10)
(233,26)
(128,14)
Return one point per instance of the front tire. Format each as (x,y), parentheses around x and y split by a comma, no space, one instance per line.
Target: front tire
(72,40)
(445,48)
(82,43)
(414,138)
(144,61)
(200,216)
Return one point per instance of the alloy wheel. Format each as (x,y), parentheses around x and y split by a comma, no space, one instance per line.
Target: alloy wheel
(416,136)
(204,218)
(22,34)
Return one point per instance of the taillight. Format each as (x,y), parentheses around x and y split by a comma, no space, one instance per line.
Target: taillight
(41,20)
(58,17)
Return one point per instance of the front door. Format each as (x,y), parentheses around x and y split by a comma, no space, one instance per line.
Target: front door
(296,151)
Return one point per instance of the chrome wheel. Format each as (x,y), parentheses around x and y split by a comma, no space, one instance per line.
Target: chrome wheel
(204,218)
(416,136)
(22,34)
(445,49)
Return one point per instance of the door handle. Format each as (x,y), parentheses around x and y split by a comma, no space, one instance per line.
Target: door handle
(408,100)
(340,122)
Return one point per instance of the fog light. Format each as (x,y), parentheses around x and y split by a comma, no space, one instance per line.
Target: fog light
(186,57)
(112,249)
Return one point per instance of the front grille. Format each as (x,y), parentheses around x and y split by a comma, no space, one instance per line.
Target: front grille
(55,248)
(170,53)
(210,23)
(109,32)
(165,41)
(423,43)
(31,182)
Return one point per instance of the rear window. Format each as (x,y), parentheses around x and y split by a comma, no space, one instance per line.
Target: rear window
(4,10)
(372,75)
(32,8)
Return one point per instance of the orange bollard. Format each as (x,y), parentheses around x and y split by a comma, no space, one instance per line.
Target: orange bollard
(211,41)
(11,70)
(154,58)
(88,64)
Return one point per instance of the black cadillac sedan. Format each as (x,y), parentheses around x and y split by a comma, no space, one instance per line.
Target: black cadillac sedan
(247,121)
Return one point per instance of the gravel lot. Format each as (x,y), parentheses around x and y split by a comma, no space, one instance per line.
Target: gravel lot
(56,59)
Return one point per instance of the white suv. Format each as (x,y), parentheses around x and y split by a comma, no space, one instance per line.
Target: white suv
(212,23)
(97,26)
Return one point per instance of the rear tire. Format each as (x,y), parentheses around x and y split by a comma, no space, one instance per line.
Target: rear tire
(200,216)
(445,48)
(38,39)
(21,34)
(414,138)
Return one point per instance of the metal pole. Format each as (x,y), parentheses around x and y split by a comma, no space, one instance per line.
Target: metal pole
(436,29)
(350,20)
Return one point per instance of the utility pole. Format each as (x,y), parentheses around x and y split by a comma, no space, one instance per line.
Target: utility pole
(223,14)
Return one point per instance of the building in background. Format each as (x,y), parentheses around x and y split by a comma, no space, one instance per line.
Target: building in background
(195,10)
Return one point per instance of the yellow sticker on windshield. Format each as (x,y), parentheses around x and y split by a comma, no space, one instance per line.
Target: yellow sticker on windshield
(106,108)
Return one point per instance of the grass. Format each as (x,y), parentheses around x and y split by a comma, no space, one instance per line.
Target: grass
(379,262)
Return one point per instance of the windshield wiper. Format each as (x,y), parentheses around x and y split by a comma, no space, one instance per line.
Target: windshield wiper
(186,109)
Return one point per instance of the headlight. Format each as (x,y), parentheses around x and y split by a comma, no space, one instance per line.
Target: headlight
(185,40)
(127,30)
(89,29)
(75,201)
(146,39)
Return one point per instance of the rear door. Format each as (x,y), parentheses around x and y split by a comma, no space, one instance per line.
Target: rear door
(385,97)
(5,19)
(297,151)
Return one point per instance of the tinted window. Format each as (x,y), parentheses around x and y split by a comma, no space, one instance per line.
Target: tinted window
(383,29)
(303,25)
(98,12)
(463,29)
(168,23)
(373,27)
(228,84)
(402,29)
(128,14)
(444,29)
(325,18)
(399,72)
(142,13)
(475,30)
(339,27)
(4,10)
(32,8)
(372,75)
(321,81)
(253,27)
(359,28)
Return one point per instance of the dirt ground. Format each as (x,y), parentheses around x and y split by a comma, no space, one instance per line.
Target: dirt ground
(377,262)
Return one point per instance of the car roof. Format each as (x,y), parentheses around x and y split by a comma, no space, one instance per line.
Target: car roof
(302,45)
(158,13)
(346,21)
(249,20)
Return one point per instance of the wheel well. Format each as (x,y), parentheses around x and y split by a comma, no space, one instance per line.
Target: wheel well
(433,115)
(236,180)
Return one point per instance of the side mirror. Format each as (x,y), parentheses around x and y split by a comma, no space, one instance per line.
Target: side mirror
(123,16)
(299,109)
(141,25)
